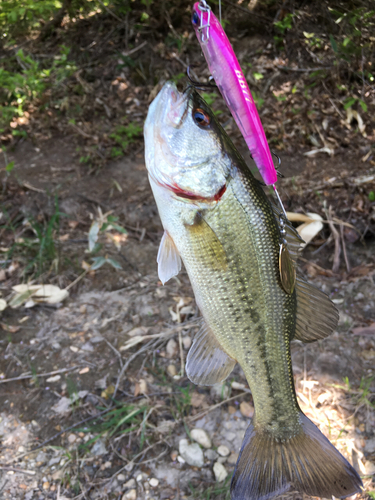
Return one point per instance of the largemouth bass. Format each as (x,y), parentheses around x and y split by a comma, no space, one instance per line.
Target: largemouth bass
(219,222)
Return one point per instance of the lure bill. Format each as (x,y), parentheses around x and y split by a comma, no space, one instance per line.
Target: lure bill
(219,222)
(232,84)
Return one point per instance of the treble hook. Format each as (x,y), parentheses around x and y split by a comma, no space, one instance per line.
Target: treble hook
(199,85)
(279,174)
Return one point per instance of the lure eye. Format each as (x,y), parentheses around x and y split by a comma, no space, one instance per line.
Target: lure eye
(201,118)
(195,18)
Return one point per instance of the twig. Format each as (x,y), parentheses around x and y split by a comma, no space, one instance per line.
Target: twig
(24,377)
(115,351)
(132,51)
(344,249)
(302,70)
(110,12)
(78,279)
(213,407)
(15,469)
(181,354)
(336,236)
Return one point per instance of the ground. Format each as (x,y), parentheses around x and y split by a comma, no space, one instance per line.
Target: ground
(94,398)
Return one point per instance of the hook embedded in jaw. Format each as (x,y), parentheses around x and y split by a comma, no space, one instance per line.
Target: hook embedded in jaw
(199,85)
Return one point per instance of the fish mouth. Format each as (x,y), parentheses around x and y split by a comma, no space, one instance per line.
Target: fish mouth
(173,105)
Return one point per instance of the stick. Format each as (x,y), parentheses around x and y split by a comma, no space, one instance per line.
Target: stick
(344,249)
(24,377)
(336,236)
(15,469)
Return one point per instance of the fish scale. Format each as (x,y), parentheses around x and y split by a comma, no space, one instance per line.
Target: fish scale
(218,221)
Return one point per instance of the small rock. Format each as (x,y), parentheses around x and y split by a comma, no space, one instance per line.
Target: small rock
(139,478)
(229,436)
(154,482)
(370,468)
(171,369)
(369,446)
(72,438)
(41,457)
(130,495)
(220,391)
(99,448)
(121,478)
(232,410)
(246,409)
(232,459)
(46,485)
(87,347)
(174,455)
(129,484)
(180,460)
(191,453)
(171,348)
(186,342)
(201,437)
(211,454)
(53,379)
(359,296)
(220,472)
(223,450)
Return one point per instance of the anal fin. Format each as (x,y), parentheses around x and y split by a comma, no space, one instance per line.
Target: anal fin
(317,315)
(168,259)
(207,363)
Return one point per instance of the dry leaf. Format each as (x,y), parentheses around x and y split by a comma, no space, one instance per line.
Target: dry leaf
(365,330)
(9,328)
(42,294)
(197,399)
(308,230)
(3,305)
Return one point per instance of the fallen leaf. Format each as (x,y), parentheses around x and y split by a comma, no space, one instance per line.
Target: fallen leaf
(368,355)
(3,305)
(108,392)
(3,275)
(246,409)
(365,330)
(9,328)
(308,230)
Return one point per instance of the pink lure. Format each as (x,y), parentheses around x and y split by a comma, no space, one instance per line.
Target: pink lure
(232,84)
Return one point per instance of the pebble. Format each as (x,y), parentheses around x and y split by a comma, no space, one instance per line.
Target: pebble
(220,472)
(139,478)
(369,446)
(229,436)
(99,448)
(171,369)
(246,409)
(191,453)
(201,437)
(232,459)
(223,450)
(211,454)
(121,478)
(41,457)
(174,455)
(46,485)
(180,460)
(130,495)
(171,348)
(72,438)
(129,484)
(154,482)
(186,342)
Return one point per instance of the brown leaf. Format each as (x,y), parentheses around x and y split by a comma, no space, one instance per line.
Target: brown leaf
(9,328)
(365,330)
(197,399)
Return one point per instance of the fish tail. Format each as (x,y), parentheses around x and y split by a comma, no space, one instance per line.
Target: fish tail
(307,462)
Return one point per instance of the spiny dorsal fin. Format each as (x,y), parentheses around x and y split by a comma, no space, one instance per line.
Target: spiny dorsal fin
(207,363)
(317,315)
(168,259)
(207,244)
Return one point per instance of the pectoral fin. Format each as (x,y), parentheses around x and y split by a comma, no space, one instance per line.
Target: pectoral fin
(317,315)
(207,363)
(207,245)
(168,259)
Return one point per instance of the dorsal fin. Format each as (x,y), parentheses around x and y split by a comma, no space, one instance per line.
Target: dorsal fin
(207,363)
(168,259)
(317,315)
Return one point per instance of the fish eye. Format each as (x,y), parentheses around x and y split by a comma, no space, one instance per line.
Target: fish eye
(201,118)
(195,18)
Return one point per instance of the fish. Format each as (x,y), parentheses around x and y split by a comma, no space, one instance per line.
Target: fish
(219,222)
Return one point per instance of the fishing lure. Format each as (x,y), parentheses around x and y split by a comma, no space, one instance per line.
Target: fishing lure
(232,84)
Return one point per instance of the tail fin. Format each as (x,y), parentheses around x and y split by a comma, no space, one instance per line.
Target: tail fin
(307,463)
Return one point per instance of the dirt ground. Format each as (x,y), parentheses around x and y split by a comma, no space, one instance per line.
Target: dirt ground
(70,358)
(94,400)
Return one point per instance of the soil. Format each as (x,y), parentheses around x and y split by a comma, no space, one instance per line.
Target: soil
(119,341)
